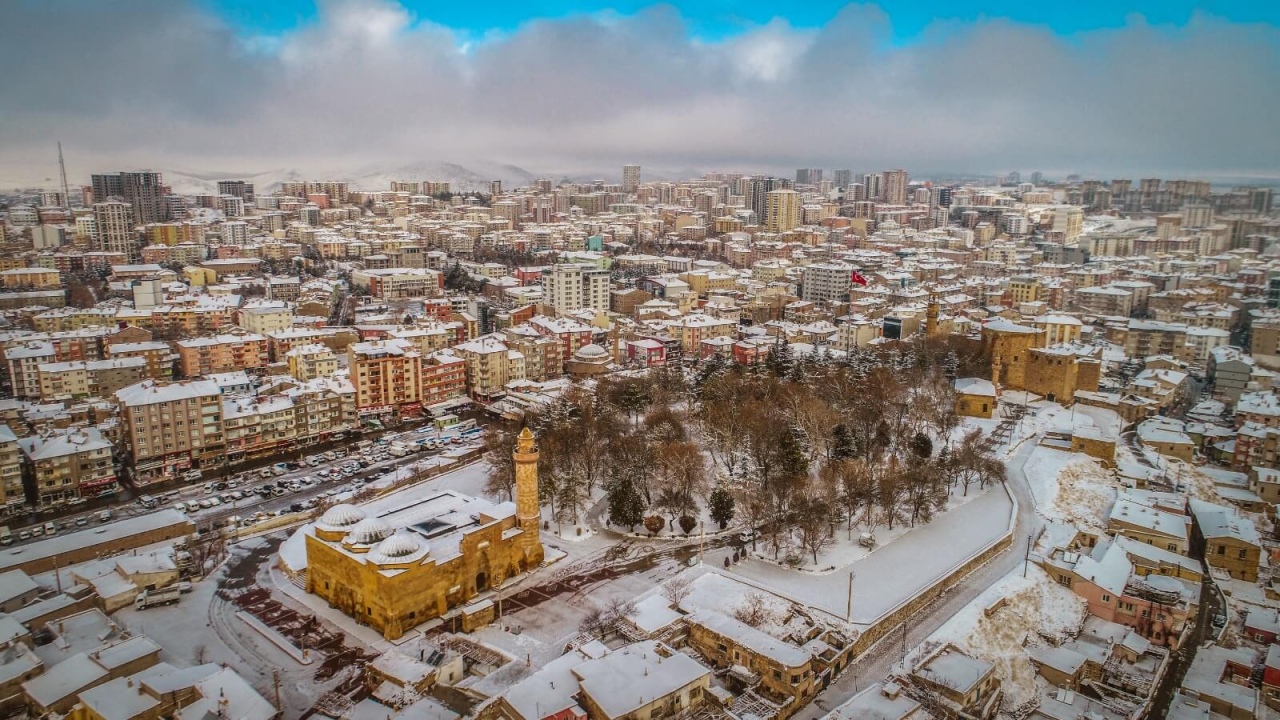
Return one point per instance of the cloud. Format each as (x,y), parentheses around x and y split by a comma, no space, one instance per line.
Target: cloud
(164,83)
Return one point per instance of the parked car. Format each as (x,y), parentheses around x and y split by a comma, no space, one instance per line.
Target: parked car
(82,521)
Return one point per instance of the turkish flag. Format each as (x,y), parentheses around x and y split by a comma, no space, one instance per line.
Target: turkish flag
(857,278)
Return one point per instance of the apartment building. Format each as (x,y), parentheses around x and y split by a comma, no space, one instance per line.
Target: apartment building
(308,362)
(172,427)
(266,317)
(826,282)
(386,375)
(64,465)
(571,287)
(393,284)
(29,278)
(88,378)
(158,356)
(489,366)
(782,210)
(12,496)
(222,353)
(444,378)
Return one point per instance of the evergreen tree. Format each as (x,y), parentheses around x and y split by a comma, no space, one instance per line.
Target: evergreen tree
(626,507)
(921,446)
(721,505)
(843,445)
(781,358)
(793,462)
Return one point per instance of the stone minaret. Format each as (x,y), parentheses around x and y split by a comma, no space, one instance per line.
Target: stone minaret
(528,506)
(931,320)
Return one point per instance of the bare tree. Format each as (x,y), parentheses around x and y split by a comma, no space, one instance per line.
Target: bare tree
(754,611)
(813,520)
(676,589)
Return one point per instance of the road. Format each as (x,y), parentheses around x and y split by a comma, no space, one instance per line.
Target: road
(876,664)
(1210,605)
(250,482)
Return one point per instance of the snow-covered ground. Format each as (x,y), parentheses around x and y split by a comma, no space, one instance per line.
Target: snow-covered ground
(898,570)
(844,547)
(1070,488)
(1035,608)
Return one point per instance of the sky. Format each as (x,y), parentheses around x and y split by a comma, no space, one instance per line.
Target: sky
(579,87)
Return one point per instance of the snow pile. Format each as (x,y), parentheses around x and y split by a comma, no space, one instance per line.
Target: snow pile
(1070,488)
(1036,610)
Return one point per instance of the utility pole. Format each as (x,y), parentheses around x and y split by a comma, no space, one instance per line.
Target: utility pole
(275,682)
(848,613)
(1026,559)
(904,641)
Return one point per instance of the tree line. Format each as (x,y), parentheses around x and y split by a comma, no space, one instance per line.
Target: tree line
(797,448)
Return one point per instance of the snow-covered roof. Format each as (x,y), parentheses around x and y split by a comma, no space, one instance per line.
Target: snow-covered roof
(954,669)
(750,638)
(61,544)
(975,386)
(15,584)
(1219,521)
(627,679)
(149,392)
(241,700)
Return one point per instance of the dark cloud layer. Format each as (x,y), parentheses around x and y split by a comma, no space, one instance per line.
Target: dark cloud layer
(161,82)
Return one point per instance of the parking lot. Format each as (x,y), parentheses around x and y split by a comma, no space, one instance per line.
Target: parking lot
(279,488)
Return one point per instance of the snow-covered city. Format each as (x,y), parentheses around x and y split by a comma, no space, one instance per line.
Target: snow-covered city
(614,360)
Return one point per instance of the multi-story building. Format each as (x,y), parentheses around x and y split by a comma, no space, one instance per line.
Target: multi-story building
(444,378)
(113,229)
(143,191)
(23,361)
(159,356)
(12,497)
(171,427)
(571,287)
(630,179)
(78,379)
(393,284)
(222,353)
(489,366)
(309,362)
(238,188)
(387,377)
(267,317)
(29,278)
(782,210)
(826,282)
(64,465)
(894,187)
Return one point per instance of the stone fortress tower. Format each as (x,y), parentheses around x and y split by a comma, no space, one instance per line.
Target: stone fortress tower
(528,505)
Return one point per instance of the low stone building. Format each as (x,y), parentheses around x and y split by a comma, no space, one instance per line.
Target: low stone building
(417,560)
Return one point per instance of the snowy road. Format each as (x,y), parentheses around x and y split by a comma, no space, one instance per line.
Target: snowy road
(876,663)
(898,570)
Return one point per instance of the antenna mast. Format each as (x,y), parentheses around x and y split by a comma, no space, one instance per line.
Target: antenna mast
(62,168)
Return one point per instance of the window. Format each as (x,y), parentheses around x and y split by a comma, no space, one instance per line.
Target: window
(777,674)
(1222,549)
(1243,553)
(1106,597)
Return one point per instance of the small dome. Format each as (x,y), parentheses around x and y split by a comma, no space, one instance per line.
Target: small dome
(368,531)
(342,515)
(591,351)
(399,545)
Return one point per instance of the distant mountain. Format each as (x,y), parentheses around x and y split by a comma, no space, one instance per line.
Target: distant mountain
(475,177)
